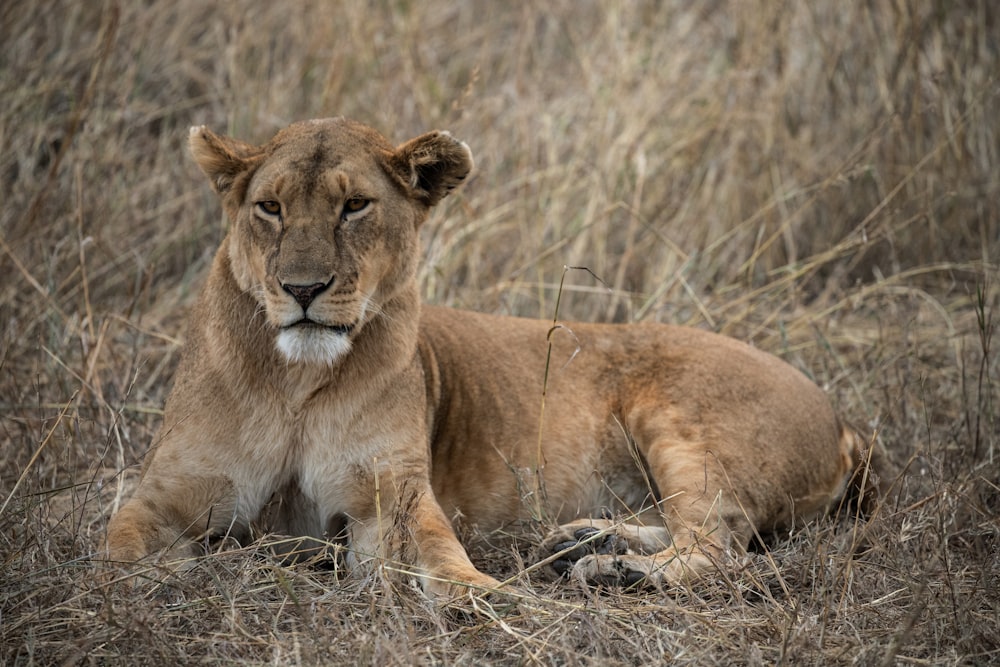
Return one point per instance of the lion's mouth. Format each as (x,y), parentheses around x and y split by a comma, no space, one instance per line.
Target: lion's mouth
(305,323)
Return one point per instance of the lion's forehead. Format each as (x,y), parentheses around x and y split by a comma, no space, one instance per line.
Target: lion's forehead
(314,192)
(332,156)
(322,173)
(331,137)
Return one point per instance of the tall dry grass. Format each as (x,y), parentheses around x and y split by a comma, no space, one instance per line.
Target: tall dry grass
(818,178)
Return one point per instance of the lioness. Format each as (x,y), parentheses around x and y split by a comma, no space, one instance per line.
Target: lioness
(314,382)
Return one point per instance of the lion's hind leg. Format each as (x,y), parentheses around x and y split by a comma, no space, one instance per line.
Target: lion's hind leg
(605,552)
(688,536)
(577,547)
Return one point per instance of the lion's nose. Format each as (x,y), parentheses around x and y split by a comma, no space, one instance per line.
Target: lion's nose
(304,294)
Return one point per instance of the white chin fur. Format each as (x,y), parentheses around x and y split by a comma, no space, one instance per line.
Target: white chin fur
(313,346)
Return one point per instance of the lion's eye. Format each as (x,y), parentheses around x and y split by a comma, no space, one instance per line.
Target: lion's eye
(269,207)
(355,205)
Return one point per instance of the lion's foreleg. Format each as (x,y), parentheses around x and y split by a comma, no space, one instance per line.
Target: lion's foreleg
(412,535)
(170,514)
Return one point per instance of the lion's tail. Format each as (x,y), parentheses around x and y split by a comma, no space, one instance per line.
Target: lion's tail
(873,472)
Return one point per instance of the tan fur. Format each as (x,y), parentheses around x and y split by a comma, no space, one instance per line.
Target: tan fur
(398,420)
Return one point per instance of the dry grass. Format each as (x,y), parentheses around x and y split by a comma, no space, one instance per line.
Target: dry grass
(820,178)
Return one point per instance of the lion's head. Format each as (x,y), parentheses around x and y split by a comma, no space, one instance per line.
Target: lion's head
(324,221)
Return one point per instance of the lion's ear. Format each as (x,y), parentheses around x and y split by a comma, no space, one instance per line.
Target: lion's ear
(432,165)
(221,158)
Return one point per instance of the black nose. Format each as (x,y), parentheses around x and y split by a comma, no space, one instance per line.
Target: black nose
(304,294)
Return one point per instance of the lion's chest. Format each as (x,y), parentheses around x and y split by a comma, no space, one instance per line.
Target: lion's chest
(317,463)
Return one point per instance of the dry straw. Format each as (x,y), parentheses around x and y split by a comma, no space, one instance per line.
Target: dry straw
(819,178)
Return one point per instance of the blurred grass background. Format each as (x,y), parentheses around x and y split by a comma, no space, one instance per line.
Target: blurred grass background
(821,179)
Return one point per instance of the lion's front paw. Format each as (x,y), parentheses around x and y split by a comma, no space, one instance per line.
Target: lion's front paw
(451,586)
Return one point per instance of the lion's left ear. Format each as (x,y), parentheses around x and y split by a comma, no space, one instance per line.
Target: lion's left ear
(432,165)
(221,158)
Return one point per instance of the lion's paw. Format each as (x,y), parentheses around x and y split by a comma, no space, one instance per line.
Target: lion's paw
(569,546)
(613,570)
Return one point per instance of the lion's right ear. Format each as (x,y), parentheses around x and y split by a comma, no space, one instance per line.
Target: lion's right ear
(221,158)
(432,165)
